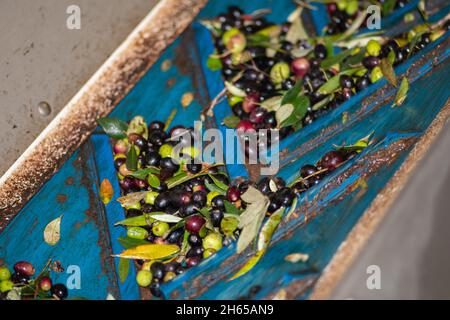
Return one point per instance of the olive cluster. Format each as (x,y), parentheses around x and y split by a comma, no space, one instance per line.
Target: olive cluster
(21,278)
(206,190)
(260,76)
(342,13)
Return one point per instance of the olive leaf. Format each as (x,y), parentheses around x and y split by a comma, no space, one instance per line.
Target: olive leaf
(142,174)
(387,7)
(388,71)
(132,198)
(269,228)
(128,242)
(149,252)
(218,183)
(164,217)
(291,209)
(106,191)
(228,225)
(284,112)
(335,59)
(402,92)
(137,125)
(358,146)
(131,162)
(235,91)
(296,30)
(231,121)
(213,187)
(113,127)
(124,268)
(183,176)
(138,221)
(333,83)
(231,208)
(322,103)
(204,212)
(264,238)
(52,232)
(251,219)
(273,103)
(300,109)
(292,94)
(153,181)
(248,265)
(214,63)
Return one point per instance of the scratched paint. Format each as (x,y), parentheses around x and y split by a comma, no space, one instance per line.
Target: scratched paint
(325,214)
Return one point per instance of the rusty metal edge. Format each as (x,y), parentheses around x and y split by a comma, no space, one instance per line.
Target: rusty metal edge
(97,98)
(368,223)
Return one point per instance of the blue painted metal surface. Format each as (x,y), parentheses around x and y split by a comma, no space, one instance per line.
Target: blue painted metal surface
(326,213)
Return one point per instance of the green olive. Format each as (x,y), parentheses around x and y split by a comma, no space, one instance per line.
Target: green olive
(234,100)
(169,276)
(159,228)
(137,233)
(5,274)
(136,206)
(208,253)
(144,278)
(150,197)
(6,285)
(341,4)
(213,241)
(351,8)
(234,40)
(166,150)
(373,48)
(279,72)
(376,74)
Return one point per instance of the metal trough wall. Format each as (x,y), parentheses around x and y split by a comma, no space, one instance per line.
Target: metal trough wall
(332,220)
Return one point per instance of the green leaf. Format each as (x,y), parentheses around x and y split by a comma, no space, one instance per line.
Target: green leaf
(300,109)
(228,225)
(142,174)
(402,92)
(131,162)
(284,112)
(183,177)
(138,221)
(273,103)
(231,121)
(153,181)
(231,208)
(388,71)
(124,268)
(269,228)
(218,183)
(161,216)
(204,212)
(235,91)
(251,219)
(248,265)
(333,83)
(322,103)
(358,146)
(128,242)
(114,127)
(292,94)
(214,63)
(150,252)
(297,30)
(335,59)
(213,187)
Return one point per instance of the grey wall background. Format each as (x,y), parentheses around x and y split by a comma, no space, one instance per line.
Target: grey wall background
(41,60)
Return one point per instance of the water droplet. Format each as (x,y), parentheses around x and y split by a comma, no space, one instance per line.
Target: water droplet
(44,108)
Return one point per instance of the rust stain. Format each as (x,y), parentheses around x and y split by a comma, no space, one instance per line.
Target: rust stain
(170,83)
(69,181)
(295,289)
(61,198)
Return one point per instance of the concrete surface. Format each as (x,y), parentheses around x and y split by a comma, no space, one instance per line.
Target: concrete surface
(41,60)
